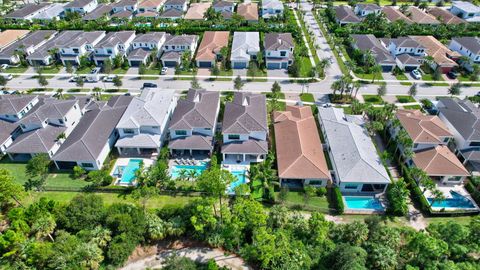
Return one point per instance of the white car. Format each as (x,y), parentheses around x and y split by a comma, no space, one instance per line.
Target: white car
(164,71)
(4,66)
(109,78)
(416,74)
(73,79)
(8,77)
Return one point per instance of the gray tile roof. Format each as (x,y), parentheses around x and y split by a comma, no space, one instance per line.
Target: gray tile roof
(150,109)
(407,59)
(243,44)
(80,38)
(140,140)
(26,10)
(51,12)
(49,109)
(470,43)
(175,2)
(251,146)
(92,132)
(346,14)
(123,14)
(150,37)
(466,6)
(370,43)
(6,129)
(32,39)
(138,54)
(172,55)
(194,142)
(98,12)
(58,41)
(36,141)
(78,3)
(352,149)
(368,6)
(406,42)
(221,4)
(278,41)
(115,38)
(124,3)
(14,104)
(199,109)
(180,39)
(172,13)
(246,113)
(273,4)
(463,115)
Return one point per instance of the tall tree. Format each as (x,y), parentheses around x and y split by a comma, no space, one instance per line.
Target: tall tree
(412,91)
(44,226)
(42,80)
(382,90)
(238,83)
(9,189)
(37,167)
(117,82)
(194,83)
(455,89)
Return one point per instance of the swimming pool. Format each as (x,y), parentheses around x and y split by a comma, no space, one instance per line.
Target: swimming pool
(457,201)
(128,172)
(363,203)
(177,169)
(241,179)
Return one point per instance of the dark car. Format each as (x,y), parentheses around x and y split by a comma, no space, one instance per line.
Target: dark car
(127,94)
(452,74)
(149,85)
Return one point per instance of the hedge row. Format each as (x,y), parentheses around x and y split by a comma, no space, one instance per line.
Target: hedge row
(415,191)
(336,200)
(473,192)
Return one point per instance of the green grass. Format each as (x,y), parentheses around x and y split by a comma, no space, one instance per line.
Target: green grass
(401,77)
(105,97)
(305,66)
(316,203)
(437,84)
(76,90)
(309,39)
(373,99)
(412,107)
(369,77)
(84,70)
(405,99)
(406,83)
(119,71)
(18,69)
(307,97)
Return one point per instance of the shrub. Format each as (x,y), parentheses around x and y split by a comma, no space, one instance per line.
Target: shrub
(337,201)
(100,178)
(415,190)
(427,103)
(78,172)
(397,195)
(321,191)
(473,191)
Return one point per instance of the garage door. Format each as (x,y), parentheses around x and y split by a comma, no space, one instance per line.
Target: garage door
(204,64)
(273,65)
(387,68)
(239,65)
(169,63)
(135,63)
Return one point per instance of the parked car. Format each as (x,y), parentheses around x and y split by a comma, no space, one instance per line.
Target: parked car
(4,66)
(73,78)
(164,71)
(127,94)
(109,78)
(8,77)
(416,74)
(4,92)
(478,94)
(94,75)
(452,74)
(149,85)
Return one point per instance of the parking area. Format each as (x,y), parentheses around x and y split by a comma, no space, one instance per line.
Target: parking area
(279,73)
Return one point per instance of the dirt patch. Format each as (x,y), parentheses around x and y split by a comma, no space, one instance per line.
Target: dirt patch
(142,252)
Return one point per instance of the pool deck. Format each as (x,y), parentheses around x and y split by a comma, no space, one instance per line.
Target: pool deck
(124,162)
(446,190)
(364,211)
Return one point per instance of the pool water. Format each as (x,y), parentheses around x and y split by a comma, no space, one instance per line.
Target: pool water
(457,201)
(241,179)
(176,169)
(363,203)
(128,172)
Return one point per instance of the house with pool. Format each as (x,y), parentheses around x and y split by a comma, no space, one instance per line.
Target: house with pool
(94,136)
(193,124)
(357,168)
(143,127)
(300,155)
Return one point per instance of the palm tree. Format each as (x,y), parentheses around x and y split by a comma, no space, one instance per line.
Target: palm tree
(44,226)
(192,175)
(60,93)
(336,85)
(182,174)
(375,70)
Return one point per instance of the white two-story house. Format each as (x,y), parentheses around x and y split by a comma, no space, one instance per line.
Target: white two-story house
(278,50)
(175,46)
(193,123)
(180,5)
(408,53)
(81,44)
(25,46)
(14,108)
(143,127)
(363,10)
(271,8)
(114,43)
(124,5)
(467,46)
(81,6)
(466,10)
(142,47)
(245,129)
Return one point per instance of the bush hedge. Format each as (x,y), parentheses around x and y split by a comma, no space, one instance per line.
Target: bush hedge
(415,191)
(336,200)
(473,192)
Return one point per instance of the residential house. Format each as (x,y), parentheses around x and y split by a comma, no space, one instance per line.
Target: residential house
(124,5)
(6,135)
(180,5)
(408,53)
(142,47)
(25,46)
(466,10)
(172,14)
(245,129)
(124,15)
(175,46)
(392,14)
(27,12)
(271,8)
(420,17)
(462,119)
(81,6)
(363,10)
(80,44)
(209,49)
(148,14)
(150,5)
(53,12)
(44,128)
(114,43)
(8,37)
(444,16)
(357,167)
(197,11)
(467,46)
(101,11)
(194,122)
(245,47)
(249,11)
(15,107)
(92,139)
(278,50)
(143,127)
(369,43)
(300,156)
(226,8)
(344,15)
(443,57)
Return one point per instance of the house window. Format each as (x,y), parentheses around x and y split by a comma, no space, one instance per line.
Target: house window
(207,129)
(109,51)
(475,144)
(234,137)
(180,132)
(445,140)
(454,178)
(60,121)
(128,131)
(315,182)
(283,54)
(350,186)
(87,165)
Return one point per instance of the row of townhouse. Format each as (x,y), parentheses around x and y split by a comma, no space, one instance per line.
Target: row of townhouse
(460,12)
(127,9)
(43,47)
(410,52)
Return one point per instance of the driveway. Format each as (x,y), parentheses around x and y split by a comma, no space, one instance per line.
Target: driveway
(277,73)
(203,72)
(239,72)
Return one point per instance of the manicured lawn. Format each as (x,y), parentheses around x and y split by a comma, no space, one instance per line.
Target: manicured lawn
(365,76)
(405,99)
(105,97)
(110,198)
(18,69)
(374,99)
(307,97)
(76,90)
(54,179)
(316,203)
(401,77)
(115,90)
(412,107)
(305,66)
(119,71)
(150,71)
(406,83)
(84,70)
(51,70)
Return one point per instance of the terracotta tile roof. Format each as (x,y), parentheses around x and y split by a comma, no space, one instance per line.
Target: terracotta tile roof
(151,3)
(437,50)
(197,11)
(423,128)
(299,149)
(420,17)
(445,16)
(7,37)
(439,161)
(249,11)
(212,43)
(392,14)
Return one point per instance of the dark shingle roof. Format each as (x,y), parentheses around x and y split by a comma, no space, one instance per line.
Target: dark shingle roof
(199,109)
(470,43)
(278,41)
(26,10)
(98,12)
(346,14)
(463,115)
(246,113)
(14,104)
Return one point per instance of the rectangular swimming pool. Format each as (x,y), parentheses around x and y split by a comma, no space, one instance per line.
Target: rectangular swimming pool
(128,172)
(457,201)
(178,170)
(241,179)
(369,203)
